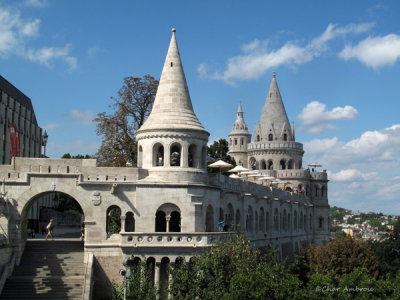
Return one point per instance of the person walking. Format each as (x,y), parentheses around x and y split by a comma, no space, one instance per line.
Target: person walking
(50,227)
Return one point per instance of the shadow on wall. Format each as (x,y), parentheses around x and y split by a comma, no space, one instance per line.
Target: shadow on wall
(102,287)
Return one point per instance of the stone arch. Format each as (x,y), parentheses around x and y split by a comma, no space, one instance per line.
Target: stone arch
(270,165)
(164,277)
(113,222)
(270,137)
(168,218)
(237,220)
(140,157)
(151,266)
(252,163)
(129,222)
(192,156)
(229,219)
(249,219)
(276,219)
(175,154)
(290,165)
(258,138)
(262,219)
(282,164)
(209,218)
(263,165)
(158,155)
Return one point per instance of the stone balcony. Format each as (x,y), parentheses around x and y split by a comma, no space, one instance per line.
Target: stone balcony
(173,239)
(274,145)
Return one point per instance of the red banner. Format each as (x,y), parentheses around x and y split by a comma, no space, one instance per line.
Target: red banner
(14,141)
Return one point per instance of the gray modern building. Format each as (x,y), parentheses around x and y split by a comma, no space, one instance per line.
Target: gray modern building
(18,124)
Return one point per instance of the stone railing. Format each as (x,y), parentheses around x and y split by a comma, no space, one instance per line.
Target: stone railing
(173,239)
(274,145)
(319,175)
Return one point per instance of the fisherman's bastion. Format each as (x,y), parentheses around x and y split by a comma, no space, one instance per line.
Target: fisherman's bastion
(169,206)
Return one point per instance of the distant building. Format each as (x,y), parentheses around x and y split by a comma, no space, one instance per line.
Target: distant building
(21,135)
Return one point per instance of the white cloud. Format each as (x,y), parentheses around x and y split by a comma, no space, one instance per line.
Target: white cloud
(374,52)
(351,175)
(320,146)
(15,33)
(315,118)
(82,117)
(35,3)
(47,55)
(257,58)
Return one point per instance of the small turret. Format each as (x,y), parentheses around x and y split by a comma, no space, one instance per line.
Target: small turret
(239,138)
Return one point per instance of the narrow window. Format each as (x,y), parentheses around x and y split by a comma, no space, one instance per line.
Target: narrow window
(172,64)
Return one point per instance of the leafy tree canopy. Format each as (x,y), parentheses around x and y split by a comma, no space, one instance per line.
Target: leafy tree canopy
(130,108)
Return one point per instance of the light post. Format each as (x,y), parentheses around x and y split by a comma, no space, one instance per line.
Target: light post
(126,273)
(44,142)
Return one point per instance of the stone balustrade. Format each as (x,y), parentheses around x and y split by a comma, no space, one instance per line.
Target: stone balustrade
(274,145)
(173,239)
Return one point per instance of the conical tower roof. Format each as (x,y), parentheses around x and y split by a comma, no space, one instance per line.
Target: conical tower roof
(274,114)
(172,109)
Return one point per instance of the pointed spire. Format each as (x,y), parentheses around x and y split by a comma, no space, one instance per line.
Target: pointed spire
(274,114)
(240,110)
(172,108)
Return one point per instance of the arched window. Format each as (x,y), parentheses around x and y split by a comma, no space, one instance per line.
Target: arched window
(270,137)
(158,155)
(256,221)
(140,157)
(321,223)
(175,159)
(192,156)
(276,220)
(241,141)
(285,137)
(301,221)
(129,222)
(289,220)
(235,142)
(263,165)
(311,221)
(284,221)
(258,137)
(175,222)
(113,224)
(209,219)
(300,164)
(282,164)
(203,157)
(249,219)
(262,219)
(252,163)
(237,220)
(229,216)
(267,222)
(270,165)
(290,164)
(295,221)
(230,142)
(323,191)
(161,222)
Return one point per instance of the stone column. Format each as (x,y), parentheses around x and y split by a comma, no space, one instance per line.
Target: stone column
(167,218)
(167,156)
(184,156)
(123,223)
(157,278)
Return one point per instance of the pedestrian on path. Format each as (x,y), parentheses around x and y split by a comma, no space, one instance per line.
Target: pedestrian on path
(50,227)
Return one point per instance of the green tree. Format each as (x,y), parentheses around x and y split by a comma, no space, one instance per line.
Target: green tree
(219,150)
(78,156)
(341,256)
(130,109)
(233,270)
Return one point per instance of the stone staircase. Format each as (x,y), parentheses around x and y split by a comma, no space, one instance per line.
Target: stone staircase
(48,270)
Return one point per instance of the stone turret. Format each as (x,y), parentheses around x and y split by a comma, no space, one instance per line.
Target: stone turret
(172,136)
(274,124)
(239,139)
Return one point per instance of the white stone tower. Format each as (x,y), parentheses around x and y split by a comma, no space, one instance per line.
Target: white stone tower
(239,138)
(274,146)
(172,137)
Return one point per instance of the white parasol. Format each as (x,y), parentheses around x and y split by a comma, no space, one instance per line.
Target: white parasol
(220,164)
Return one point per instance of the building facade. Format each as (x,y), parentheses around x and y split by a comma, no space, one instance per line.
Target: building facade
(17,114)
(169,206)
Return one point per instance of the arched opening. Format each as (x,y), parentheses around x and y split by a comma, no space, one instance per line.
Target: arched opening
(284,221)
(140,157)
(285,137)
(192,163)
(267,227)
(229,217)
(311,222)
(252,163)
(321,223)
(164,278)
(289,218)
(291,164)
(295,220)
(270,165)
(203,157)
(175,222)
(113,224)
(249,219)
(323,191)
(301,221)
(158,155)
(161,222)
(237,220)
(175,157)
(276,220)
(282,164)
(150,267)
(262,218)
(258,137)
(209,219)
(270,137)
(256,222)
(62,208)
(263,165)
(129,222)
(300,164)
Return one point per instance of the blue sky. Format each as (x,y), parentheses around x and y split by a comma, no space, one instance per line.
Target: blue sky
(337,65)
